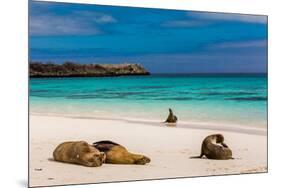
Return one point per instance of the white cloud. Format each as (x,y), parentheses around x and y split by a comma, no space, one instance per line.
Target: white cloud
(48,25)
(206,18)
(241,44)
(231,17)
(183,23)
(94,16)
(79,22)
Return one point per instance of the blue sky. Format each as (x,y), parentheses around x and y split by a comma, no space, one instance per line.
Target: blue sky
(164,41)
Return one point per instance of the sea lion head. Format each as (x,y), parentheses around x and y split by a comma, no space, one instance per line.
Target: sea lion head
(219,138)
(89,155)
(94,159)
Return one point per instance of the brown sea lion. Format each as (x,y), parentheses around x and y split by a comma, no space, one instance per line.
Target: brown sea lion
(79,152)
(171,118)
(117,154)
(213,147)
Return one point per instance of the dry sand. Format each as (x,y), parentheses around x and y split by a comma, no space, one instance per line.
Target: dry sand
(168,147)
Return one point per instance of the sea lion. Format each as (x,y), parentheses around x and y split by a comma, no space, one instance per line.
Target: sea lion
(171,118)
(117,154)
(79,152)
(213,147)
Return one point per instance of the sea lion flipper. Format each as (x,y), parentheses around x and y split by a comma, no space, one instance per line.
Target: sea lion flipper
(171,117)
(197,157)
(224,145)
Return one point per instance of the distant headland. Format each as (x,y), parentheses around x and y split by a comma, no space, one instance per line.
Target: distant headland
(69,69)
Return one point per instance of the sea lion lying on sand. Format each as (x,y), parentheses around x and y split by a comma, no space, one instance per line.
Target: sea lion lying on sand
(117,154)
(79,153)
(213,147)
(171,118)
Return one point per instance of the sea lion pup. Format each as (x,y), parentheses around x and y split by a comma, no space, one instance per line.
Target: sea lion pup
(171,118)
(213,147)
(79,153)
(117,154)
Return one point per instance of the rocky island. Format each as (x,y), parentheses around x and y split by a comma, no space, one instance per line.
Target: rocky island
(69,69)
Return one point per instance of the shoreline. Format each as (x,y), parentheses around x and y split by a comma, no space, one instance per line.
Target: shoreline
(181,124)
(89,76)
(169,148)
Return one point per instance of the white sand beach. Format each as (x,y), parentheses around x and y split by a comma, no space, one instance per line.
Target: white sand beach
(169,148)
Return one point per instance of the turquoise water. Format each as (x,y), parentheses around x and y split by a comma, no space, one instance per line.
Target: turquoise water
(223,99)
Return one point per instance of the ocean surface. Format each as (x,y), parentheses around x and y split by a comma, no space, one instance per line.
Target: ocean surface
(225,99)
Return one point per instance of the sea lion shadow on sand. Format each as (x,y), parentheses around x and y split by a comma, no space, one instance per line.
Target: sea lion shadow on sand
(51,159)
(213,147)
(118,154)
(171,119)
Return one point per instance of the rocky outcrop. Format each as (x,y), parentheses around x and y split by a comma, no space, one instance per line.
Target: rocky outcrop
(68,69)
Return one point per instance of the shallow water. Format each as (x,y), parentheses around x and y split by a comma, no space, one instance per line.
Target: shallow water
(215,99)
